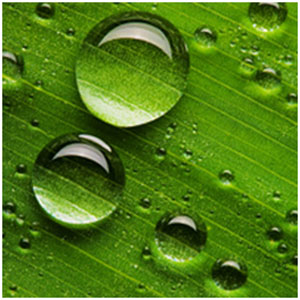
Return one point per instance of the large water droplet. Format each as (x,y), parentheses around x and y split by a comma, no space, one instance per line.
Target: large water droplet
(229,274)
(45,10)
(267,16)
(78,180)
(179,237)
(268,78)
(205,36)
(132,68)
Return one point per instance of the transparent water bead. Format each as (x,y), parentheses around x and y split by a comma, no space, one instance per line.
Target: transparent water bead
(179,237)
(229,274)
(267,16)
(132,68)
(12,69)
(78,180)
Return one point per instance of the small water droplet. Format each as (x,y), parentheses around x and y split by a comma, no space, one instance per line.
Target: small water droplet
(145,203)
(247,66)
(179,237)
(288,60)
(146,254)
(295,260)
(188,153)
(13,287)
(9,208)
(12,68)
(292,99)
(292,217)
(282,248)
(229,274)
(70,32)
(24,243)
(21,168)
(133,38)
(275,234)
(45,10)
(141,288)
(267,16)
(276,195)
(161,153)
(268,78)
(35,122)
(39,83)
(226,177)
(78,180)
(205,36)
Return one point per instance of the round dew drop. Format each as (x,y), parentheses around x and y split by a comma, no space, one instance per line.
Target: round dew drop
(229,274)
(78,180)
(179,237)
(205,36)
(268,78)
(132,68)
(267,16)
(45,10)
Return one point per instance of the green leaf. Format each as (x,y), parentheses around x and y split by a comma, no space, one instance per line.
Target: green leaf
(225,155)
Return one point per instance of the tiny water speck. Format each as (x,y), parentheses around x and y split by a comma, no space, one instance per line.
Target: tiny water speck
(282,248)
(229,274)
(145,203)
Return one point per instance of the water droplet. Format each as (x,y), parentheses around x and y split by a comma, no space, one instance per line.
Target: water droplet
(229,274)
(39,83)
(205,36)
(34,229)
(78,180)
(13,287)
(276,195)
(70,32)
(247,66)
(35,123)
(9,208)
(292,99)
(145,203)
(268,78)
(292,217)
(114,55)
(282,248)
(24,243)
(295,260)
(146,254)
(275,234)
(187,153)
(21,168)
(141,288)
(12,68)
(45,10)
(179,237)
(161,153)
(226,177)
(267,16)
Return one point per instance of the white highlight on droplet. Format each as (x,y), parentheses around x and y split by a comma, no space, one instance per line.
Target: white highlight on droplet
(139,31)
(85,151)
(184,220)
